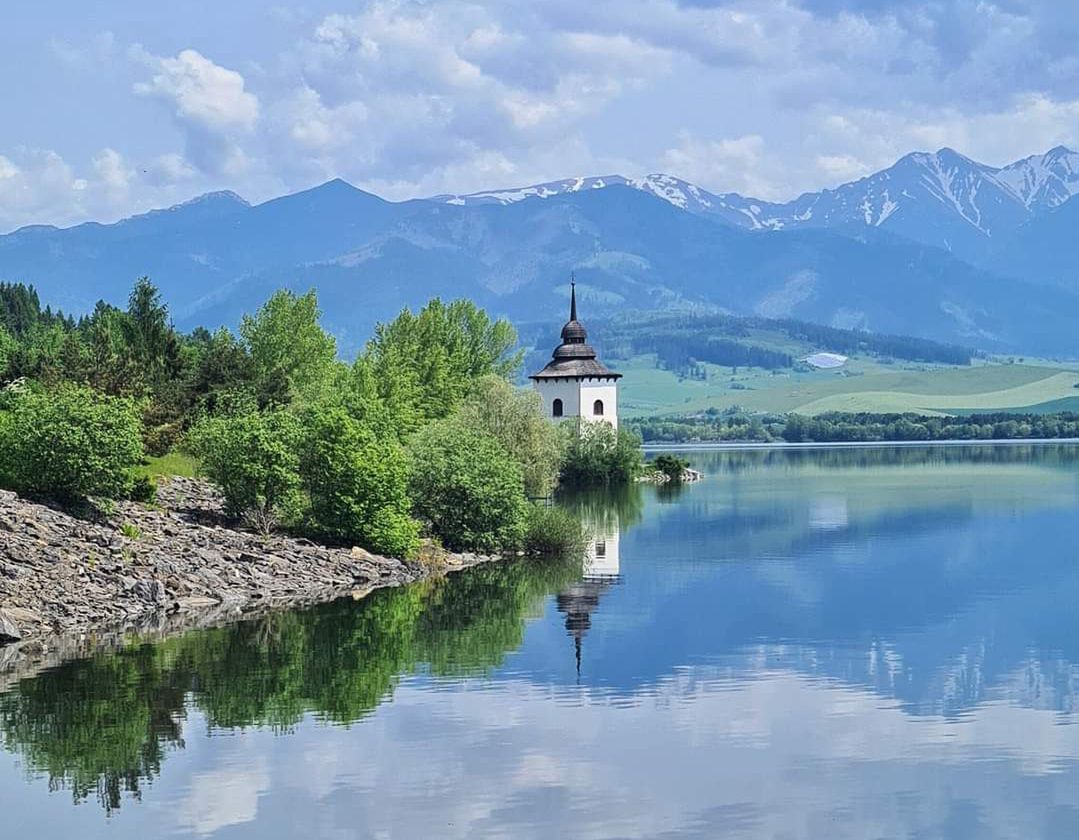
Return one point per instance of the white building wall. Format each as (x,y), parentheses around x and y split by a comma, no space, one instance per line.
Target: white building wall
(602,557)
(579,397)
(604,390)
(566,390)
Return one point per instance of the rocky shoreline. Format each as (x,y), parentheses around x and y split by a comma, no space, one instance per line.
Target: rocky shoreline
(70,582)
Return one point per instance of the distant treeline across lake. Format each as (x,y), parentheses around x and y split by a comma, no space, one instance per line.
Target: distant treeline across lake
(862,427)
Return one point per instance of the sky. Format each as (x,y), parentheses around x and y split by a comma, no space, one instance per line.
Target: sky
(121,106)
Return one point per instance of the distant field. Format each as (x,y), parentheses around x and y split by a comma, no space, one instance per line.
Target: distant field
(865,385)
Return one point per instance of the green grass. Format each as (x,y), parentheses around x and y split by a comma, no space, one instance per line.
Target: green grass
(1051,407)
(174,463)
(863,385)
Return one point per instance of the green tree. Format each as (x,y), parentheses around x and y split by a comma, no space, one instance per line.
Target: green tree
(597,454)
(9,347)
(670,465)
(150,334)
(292,357)
(106,360)
(254,459)
(467,487)
(515,418)
(357,483)
(69,443)
(425,363)
(220,371)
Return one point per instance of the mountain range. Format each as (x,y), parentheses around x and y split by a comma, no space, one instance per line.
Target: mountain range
(938,245)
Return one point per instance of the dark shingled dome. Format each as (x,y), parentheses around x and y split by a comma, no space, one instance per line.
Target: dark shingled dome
(573,357)
(574,332)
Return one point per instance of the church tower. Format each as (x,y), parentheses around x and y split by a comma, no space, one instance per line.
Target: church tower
(575,384)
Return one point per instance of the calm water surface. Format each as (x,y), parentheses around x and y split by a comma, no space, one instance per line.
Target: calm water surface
(811,644)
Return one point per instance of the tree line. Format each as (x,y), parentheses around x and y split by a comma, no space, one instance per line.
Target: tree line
(838,427)
(421,435)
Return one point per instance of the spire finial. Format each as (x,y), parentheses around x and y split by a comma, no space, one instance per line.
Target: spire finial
(572,296)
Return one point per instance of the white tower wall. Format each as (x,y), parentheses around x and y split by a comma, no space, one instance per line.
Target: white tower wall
(604,391)
(579,397)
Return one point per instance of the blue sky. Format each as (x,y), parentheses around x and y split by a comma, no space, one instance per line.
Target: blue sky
(113,108)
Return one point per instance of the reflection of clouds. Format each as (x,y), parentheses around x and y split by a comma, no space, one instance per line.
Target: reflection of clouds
(706,754)
(828,513)
(229,794)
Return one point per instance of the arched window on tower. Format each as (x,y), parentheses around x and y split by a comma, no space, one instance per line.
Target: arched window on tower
(597,408)
(556,408)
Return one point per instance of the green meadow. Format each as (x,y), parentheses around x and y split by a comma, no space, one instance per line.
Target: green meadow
(863,385)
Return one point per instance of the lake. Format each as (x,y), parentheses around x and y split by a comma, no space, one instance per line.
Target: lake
(864,643)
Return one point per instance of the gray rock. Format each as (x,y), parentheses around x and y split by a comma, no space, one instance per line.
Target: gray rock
(9,631)
(69,576)
(151,591)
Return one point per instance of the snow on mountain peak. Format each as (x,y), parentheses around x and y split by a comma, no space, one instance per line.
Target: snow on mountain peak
(940,197)
(675,191)
(1043,181)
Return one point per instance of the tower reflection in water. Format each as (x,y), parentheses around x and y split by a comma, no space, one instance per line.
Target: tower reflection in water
(599,572)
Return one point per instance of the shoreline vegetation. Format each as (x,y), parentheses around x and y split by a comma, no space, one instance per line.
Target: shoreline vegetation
(168,568)
(318,476)
(737,428)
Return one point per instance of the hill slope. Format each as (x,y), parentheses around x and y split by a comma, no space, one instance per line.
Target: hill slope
(218,257)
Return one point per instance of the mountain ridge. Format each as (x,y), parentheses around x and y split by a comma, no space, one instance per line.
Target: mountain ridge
(651,243)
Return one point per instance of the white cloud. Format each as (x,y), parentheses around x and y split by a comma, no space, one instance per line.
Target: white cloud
(402,92)
(203,92)
(842,167)
(211,105)
(766,97)
(114,175)
(730,165)
(8,169)
(169,169)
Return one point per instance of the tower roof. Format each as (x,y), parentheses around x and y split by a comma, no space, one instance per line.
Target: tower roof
(574,357)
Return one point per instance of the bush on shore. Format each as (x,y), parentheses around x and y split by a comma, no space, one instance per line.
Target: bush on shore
(356,483)
(467,487)
(554,532)
(515,418)
(254,459)
(69,443)
(598,455)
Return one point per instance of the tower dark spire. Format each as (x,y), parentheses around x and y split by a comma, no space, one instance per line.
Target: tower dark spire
(574,357)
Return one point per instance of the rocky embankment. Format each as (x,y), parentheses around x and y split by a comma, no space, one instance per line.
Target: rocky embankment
(174,565)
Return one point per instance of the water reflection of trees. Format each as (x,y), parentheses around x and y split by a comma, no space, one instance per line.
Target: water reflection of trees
(607,510)
(734,462)
(103,726)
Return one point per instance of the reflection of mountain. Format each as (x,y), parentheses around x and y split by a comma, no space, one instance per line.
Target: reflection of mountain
(104,725)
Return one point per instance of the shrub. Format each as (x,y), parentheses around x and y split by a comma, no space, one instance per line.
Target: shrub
(143,489)
(597,455)
(554,532)
(515,418)
(131,531)
(467,487)
(254,459)
(670,465)
(357,483)
(69,443)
